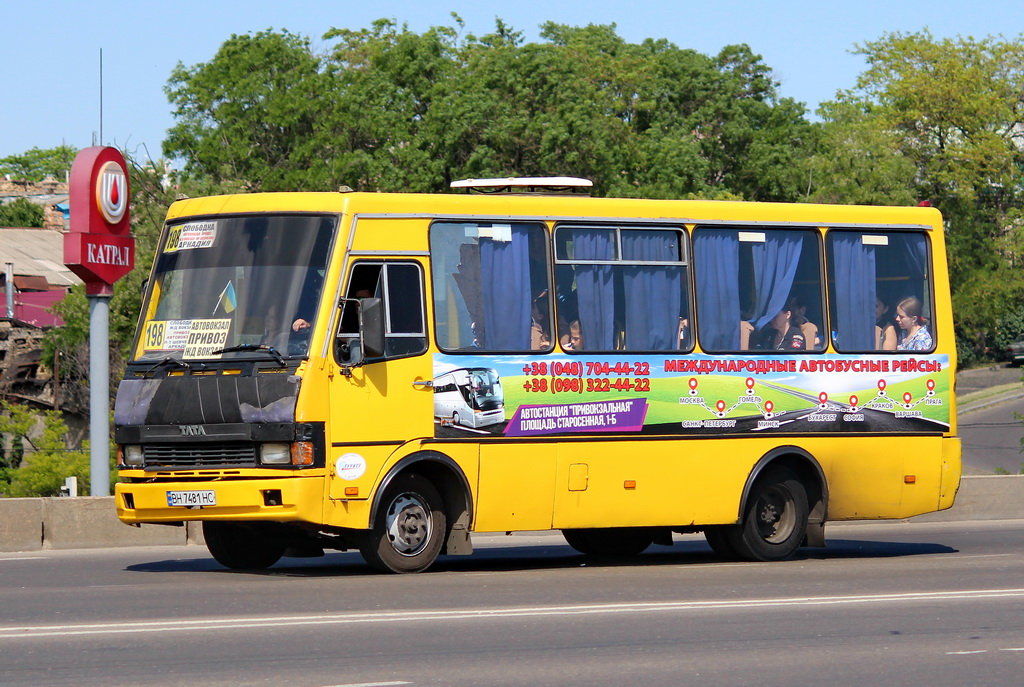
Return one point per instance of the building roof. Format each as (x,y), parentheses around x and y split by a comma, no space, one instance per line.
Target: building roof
(36,253)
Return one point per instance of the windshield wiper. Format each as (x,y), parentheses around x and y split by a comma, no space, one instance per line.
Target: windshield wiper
(168,361)
(254,347)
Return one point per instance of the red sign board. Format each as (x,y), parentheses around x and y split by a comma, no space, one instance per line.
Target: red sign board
(99,247)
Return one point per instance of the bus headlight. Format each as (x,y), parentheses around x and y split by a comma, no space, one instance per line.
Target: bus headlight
(133,457)
(276,454)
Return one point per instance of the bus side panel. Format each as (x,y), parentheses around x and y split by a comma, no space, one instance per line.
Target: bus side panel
(874,478)
(516,487)
(632,484)
(952,470)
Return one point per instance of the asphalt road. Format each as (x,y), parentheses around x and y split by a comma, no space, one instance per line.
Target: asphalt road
(885,603)
(991,434)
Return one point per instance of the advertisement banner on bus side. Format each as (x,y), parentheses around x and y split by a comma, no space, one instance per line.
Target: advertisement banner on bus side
(529,396)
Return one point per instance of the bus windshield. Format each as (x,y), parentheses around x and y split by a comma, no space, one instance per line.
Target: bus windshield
(244,283)
(482,389)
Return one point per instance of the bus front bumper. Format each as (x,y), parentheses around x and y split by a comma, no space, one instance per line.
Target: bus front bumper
(278,499)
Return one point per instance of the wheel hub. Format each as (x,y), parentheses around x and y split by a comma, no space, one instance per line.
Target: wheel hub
(408,524)
(776,522)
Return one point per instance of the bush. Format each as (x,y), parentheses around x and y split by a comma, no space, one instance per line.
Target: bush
(47,460)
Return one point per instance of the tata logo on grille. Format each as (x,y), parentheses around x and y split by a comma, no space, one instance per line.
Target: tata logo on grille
(192,430)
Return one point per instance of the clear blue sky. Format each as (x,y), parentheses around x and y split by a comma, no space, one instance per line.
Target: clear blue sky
(50,51)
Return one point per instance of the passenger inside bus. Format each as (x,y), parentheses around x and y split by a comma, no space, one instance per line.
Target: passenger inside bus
(684,334)
(915,335)
(812,339)
(540,339)
(746,329)
(885,332)
(573,341)
(781,334)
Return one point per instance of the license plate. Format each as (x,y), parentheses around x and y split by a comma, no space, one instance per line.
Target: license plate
(192,499)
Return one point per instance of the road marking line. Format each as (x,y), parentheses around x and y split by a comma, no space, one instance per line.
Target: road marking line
(965,653)
(1016,648)
(268,622)
(23,558)
(371,684)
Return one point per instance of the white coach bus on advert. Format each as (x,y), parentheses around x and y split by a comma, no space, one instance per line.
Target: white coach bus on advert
(470,396)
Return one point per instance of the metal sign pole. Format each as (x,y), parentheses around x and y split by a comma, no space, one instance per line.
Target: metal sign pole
(99,248)
(99,395)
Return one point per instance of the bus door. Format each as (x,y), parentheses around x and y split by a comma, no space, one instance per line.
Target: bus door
(387,400)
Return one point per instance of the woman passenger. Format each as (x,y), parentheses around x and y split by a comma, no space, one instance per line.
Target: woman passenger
(915,336)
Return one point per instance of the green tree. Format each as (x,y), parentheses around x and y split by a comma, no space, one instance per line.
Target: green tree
(388,109)
(245,116)
(47,461)
(857,159)
(21,212)
(39,163)
(954,109)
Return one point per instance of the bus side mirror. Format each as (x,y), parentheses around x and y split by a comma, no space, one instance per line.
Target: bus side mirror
(371,327)
(354,347)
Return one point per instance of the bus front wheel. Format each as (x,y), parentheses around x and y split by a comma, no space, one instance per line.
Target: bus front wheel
(775,520)
(242,547)
(408,531)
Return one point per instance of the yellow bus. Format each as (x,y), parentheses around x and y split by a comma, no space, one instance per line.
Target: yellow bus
(390,373)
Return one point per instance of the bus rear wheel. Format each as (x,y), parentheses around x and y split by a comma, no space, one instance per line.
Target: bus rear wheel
(775,520)
(242,547)
(409,527)
(610,541)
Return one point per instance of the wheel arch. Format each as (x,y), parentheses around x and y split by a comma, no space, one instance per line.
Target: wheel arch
(809,471)
(450,481)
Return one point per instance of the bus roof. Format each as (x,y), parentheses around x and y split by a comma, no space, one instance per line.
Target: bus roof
(563,207)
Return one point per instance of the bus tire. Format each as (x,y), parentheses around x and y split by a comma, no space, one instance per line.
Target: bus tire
(579,541)
(241,547)
(409,529)
(775,520)
(717,537)
(610,541)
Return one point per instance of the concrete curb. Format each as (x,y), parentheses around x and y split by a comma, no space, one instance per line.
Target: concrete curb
(981,404)
(984,497)
(90,522)
(87,522)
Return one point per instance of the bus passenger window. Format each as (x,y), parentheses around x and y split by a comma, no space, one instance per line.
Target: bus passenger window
(766,280)
(879,291)
(486,280)
(622,288)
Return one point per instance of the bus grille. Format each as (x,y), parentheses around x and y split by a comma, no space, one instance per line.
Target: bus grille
(235,454)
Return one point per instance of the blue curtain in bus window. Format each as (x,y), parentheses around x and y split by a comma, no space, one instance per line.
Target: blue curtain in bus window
(595,289)
(775,263)
(717,266)
(915,251)
(505,291)
(652,292)
(853,288)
